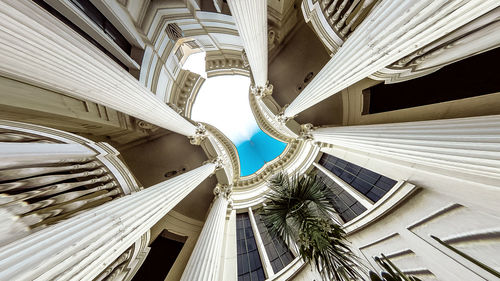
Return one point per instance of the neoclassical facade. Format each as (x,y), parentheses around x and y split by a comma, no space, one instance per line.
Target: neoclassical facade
(394,104)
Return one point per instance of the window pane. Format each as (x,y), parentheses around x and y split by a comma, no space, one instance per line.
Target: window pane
(276,249)
(374,186)
(248,257)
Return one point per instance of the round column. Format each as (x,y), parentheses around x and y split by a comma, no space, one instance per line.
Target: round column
(470,145)
(393,30)
(82,246)
(251,20)
(204,263)
(40,50)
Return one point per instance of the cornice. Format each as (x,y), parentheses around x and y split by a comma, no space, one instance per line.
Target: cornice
(228,147)
(264,123)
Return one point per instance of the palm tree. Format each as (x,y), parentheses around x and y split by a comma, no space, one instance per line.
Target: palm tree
(299,210)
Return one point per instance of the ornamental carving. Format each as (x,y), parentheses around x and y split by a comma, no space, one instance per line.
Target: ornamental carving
(306,131)
(145,125)
(223,190)
(261,92)
(199,136)
(218,162)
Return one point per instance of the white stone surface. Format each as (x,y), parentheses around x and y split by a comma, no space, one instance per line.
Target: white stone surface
(81,247)
(251,20)
(204,263)
(38,50)
(391,31)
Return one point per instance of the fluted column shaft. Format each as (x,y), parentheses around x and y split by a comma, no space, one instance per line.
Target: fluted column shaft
(41,50)
(251,20)
(81,247)
(204,263)
(468,145)
(393,30)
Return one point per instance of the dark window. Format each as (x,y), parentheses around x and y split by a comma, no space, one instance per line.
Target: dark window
(367,182)
(174,32)
(249,264)
(467,78)
(100,20)
(161,257)
(82,33)
(346,206)
(276,249)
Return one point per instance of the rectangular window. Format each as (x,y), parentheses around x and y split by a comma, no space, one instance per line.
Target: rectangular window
(276,249)
(249,264)
(346,206)
(103,23)
(367,182)
(82,33)
(467,78)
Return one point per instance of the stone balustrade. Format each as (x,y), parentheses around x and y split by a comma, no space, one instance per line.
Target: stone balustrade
(48,175)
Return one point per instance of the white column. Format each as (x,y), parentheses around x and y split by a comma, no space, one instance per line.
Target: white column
(393,30)
(204,262)
(251,20)
(268,268)
(465,145)
(41,50)
(367,203)
(82,246)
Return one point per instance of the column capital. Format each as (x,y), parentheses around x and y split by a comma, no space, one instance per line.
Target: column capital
(219,163)
(199,136)
(224,190)
(262,91)
(306,132)
(281,117)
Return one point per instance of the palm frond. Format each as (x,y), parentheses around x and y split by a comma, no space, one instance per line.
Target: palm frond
(299,210)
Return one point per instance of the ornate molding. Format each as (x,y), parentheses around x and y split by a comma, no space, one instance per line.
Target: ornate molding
(271,167)
(261,92)
(267,121)
(174,107)
(227,149)
(145,125)
(244,58)
(200,135)
(218,162)
(223,190)
(225,62)
(306,132)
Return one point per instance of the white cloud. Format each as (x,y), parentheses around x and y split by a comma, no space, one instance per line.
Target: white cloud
(223,102)
(196,63)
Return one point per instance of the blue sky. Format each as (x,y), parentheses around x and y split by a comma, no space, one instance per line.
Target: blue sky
(223,102)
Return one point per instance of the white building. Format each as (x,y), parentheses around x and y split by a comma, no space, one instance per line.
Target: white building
(105,176)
